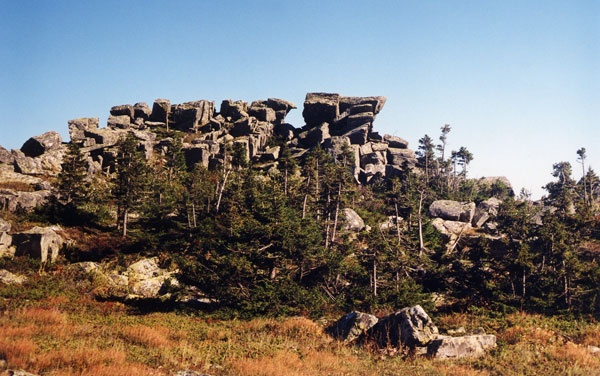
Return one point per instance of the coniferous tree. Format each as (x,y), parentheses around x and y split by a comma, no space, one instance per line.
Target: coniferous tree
(425,155)
(129,179)
(73,188)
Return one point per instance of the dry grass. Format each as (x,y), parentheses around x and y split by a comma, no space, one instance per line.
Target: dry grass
(145,336)
(16,186)
(71,334)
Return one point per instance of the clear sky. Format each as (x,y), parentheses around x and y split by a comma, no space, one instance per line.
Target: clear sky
(518,81)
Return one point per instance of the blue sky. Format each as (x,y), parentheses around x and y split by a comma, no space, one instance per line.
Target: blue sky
(518,81)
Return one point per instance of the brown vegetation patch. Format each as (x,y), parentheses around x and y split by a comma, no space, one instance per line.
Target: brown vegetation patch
(145,336)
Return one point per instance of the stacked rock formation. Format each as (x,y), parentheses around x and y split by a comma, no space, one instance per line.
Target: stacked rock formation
(332,121)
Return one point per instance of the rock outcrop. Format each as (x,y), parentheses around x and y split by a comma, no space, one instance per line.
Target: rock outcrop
(452,210)
(42,243)
(410,328)
(143,279)
(485,210)
(352,221)
(335,122)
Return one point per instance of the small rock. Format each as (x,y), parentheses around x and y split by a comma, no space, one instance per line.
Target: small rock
(9,278)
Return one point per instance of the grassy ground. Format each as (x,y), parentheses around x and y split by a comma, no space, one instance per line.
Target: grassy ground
(51,326)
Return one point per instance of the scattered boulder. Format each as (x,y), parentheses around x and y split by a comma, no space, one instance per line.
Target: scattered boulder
(9,278)
(352,326)
(472,346)
(352,221)
(409,327)
(392,223)
(452,210)
(39,242)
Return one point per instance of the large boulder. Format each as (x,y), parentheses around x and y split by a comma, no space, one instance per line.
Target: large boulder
(141,110)
(320,108)
(485,210)
(452,210)
(314,136)
(409,327)
(193,115)
(48,163)
(401,157)
(38,145)
(262,112)
(395,142)
(6,156)
(42,243)
(144,279)
(472,346)
(281,108)
(352,221)
(4,225)
(147,280)
(6,247)
(352,326)
(27,201)
(161,110)
(120,121)
(123,110)
(498,181)
(234,110)
(77,127)
(362,104)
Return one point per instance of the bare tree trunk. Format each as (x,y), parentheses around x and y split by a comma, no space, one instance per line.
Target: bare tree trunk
(374,274)
(222,188)
(524,290)
(305,197)
(194,214)
(421,244)
(337,211)
(327,221)
(125,218)
(566,280)
(285,183)
(397,223)
(317,189)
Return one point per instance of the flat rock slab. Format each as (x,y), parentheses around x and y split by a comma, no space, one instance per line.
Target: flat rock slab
(461,347)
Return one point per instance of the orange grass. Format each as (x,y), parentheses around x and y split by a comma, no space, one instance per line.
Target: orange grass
(145,336)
